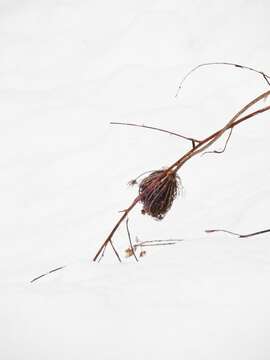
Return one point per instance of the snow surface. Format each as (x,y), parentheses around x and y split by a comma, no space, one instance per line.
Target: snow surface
(70,67)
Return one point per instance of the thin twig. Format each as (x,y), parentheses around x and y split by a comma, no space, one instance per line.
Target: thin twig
(139,243)
(130,242)
(148,245)
(194,141)
(122,218)
(224,148)
(157,242)
(47,273)
(134,181)
(115,251)
(265,76)
(102,254)
(239,235)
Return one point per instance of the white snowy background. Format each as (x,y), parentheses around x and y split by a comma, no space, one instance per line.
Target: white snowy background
(68,68)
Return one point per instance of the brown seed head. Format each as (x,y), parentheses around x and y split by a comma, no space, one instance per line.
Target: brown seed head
(158,191)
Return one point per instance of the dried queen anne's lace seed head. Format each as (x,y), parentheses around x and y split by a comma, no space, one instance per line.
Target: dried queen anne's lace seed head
(158,191)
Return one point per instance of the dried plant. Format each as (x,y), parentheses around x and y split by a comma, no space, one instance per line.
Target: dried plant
(197,148)
(140,245)
(158,190)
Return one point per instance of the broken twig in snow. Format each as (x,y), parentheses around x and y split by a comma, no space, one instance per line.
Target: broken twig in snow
(47,273)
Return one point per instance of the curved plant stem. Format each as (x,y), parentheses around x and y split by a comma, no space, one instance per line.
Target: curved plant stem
(224,148)
(265,76)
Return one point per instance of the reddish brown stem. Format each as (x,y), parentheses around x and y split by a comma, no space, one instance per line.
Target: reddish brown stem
(122,218)
(157,129)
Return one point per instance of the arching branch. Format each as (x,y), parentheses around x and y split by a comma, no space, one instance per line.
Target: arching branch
(188,74)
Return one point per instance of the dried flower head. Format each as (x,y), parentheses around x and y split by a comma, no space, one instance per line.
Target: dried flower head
(128,252)
(142,253)
(158,191)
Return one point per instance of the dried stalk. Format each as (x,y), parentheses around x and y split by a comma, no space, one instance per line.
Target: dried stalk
(122,218)
(239,235)
(115,251)
(149,243)
(198,148)
(130,242)
(47,273)
(157,242)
